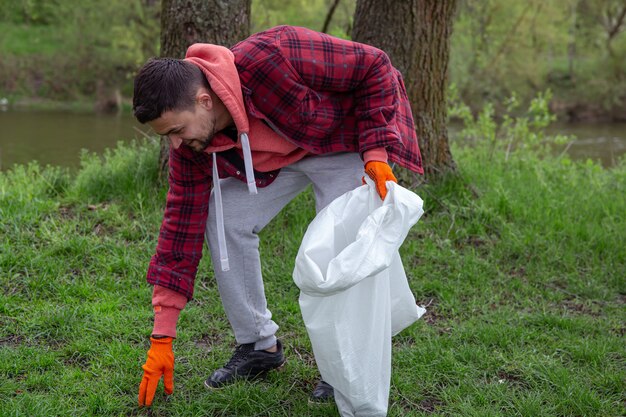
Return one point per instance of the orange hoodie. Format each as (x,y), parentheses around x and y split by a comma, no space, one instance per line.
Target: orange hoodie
(270,151)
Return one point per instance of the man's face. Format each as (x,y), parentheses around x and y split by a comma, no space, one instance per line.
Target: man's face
(194,128)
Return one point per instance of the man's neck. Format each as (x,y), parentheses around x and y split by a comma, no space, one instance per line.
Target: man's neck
(223,117)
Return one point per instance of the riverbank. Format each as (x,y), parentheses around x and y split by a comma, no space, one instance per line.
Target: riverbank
(519,261)
(582,111)
(85,105)
(55,133)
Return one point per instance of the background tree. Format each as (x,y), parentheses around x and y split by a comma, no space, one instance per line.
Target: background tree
(331,16)
(605,21)
(416,36)
(184,22)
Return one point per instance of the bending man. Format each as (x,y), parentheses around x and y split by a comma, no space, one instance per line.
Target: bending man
(250,128)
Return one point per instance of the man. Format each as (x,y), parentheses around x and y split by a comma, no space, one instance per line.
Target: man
(249,129)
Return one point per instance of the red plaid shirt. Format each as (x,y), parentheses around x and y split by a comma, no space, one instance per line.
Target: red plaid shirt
(322,93)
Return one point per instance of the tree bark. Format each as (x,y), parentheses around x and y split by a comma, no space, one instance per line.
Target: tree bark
(185,22)
(416,36)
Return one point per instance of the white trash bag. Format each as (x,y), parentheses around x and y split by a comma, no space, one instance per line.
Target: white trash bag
(354,292)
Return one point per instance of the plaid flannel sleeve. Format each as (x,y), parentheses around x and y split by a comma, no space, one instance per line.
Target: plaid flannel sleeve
(181,237)
(326,63)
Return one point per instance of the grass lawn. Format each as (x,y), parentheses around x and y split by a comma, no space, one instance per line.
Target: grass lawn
(521,265)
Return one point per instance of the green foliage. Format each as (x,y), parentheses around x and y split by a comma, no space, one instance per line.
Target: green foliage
(20,39)
(562,45)
(70,48)
(26,182)
(498,48)
(525,131)
(127,174)
(28,11)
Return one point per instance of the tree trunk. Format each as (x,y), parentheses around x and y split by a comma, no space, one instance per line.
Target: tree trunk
(185,22)
(416,36)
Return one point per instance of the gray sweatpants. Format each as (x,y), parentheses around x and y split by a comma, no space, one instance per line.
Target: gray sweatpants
(245,215)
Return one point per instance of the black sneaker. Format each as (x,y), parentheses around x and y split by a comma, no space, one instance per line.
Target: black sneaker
(246,363)
(322,393)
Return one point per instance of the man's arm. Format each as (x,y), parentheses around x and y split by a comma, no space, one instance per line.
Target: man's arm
(329,64)
(173,268)
(181,237)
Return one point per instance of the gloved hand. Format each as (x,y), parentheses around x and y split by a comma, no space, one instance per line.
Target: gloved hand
(380,172)
(160,362)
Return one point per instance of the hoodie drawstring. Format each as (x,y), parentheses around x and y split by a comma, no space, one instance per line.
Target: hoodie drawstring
(219,217)
(247,160)
(217,193)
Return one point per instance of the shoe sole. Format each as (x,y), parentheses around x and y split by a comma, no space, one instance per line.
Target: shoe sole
(321,403)
(261,375)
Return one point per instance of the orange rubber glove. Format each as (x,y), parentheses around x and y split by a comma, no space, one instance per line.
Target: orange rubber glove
(380,172)
(160,362)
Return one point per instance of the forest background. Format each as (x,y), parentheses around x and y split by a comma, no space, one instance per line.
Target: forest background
(88,51)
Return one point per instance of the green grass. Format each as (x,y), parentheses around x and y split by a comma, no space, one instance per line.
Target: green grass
(521,264)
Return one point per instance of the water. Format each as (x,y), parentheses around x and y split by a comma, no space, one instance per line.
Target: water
(604,142)
(56,137)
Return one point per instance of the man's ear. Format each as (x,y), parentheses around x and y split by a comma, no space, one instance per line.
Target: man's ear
(203,98)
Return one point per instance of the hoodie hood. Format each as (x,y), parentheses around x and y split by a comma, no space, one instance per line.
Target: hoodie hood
(218,65)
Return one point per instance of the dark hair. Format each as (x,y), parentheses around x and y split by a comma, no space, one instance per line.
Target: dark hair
(164,84)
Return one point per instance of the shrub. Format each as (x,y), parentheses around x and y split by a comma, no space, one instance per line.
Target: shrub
(127,174)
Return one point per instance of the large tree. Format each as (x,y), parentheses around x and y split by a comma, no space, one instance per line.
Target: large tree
(184,22)
(416,36)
